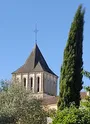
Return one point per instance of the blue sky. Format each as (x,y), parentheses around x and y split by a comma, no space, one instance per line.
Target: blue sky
(53,18)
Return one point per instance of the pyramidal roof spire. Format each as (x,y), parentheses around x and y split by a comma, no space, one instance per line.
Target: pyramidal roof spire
(35,63)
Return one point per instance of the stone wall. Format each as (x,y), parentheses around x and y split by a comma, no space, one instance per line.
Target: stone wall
(50,84)
(47,82)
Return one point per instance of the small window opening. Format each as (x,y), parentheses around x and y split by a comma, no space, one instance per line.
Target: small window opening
(38,83)
(31,83)
(24,82)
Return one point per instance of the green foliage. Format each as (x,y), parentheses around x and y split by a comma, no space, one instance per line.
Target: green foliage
(51,113)
(17,106)
(72,115)
(86,73)
(87,88)
(71,70)
(4,84)
(88,98)
(85,104)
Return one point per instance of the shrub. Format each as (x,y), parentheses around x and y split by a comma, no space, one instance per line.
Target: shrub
(72,115)
(18,106)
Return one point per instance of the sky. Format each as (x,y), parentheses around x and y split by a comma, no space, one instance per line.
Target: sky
(53,19)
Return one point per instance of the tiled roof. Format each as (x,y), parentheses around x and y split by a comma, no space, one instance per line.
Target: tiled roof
(54,100)
(48,101)
(34,63)
(83,95)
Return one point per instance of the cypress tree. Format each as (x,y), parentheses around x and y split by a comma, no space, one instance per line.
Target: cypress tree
(71,69)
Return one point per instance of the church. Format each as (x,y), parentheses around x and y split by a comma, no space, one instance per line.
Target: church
(35,75)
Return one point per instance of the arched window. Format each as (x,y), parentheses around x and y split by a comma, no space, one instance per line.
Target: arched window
(24,82)
(38,83)
(31,81)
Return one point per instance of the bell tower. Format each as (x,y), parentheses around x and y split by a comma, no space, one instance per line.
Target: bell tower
(36,75)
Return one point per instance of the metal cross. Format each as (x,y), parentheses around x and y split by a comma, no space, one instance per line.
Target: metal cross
(36,31)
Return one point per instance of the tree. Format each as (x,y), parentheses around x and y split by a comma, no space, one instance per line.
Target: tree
(71,69)
(86,73)
(4,84)
(18,106)
(72,115)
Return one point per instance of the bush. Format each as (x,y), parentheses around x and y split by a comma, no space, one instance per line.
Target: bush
(72,115)
(85,104)
(17,106)
(51,113)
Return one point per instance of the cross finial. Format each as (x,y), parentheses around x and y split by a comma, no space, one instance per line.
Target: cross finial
(36,31)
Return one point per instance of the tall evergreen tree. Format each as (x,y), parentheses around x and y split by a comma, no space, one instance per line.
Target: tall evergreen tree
(71,70)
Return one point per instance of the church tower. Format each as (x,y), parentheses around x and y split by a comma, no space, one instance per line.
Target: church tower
(36,75)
